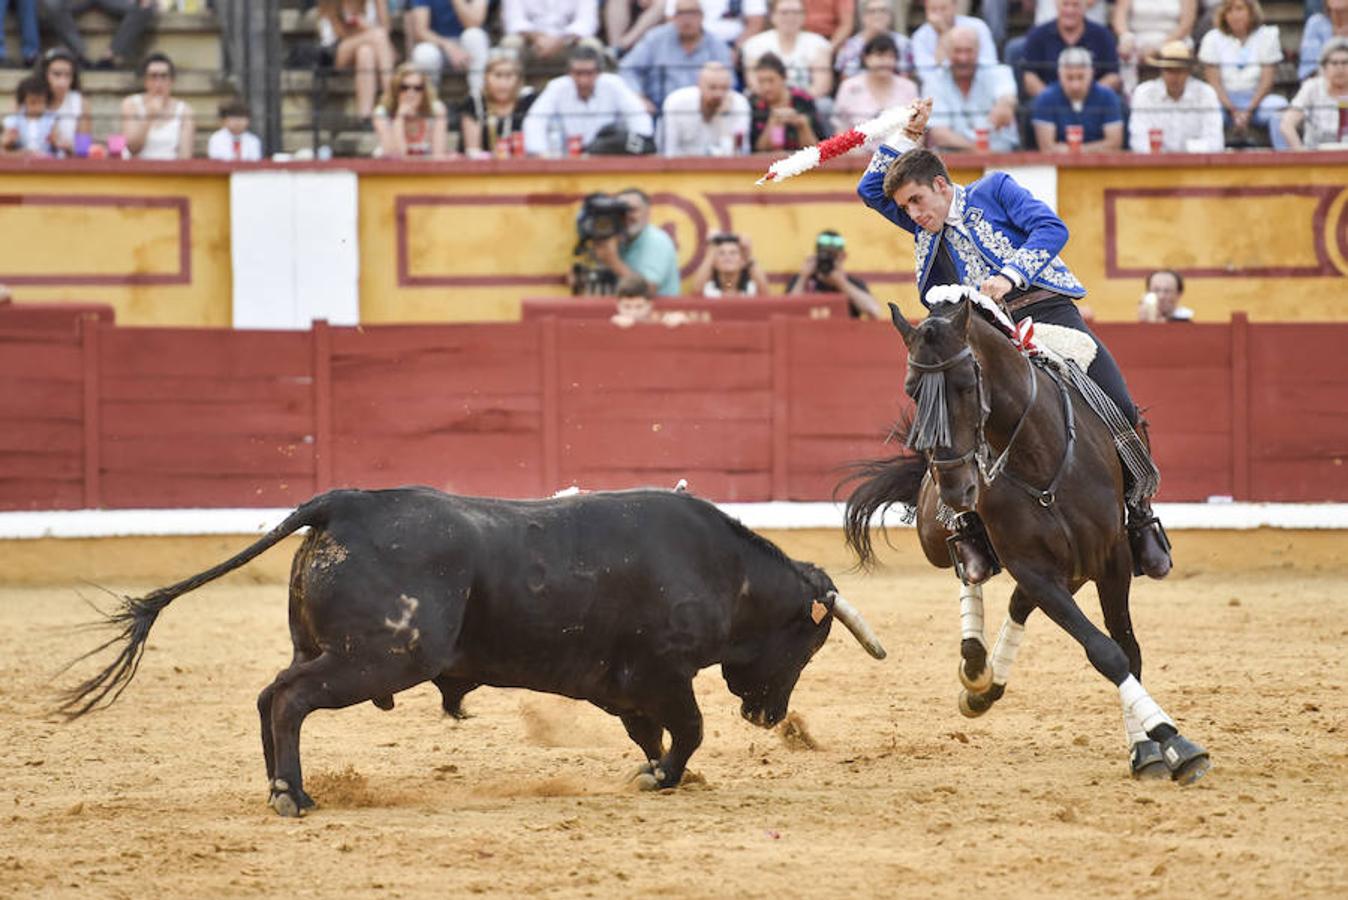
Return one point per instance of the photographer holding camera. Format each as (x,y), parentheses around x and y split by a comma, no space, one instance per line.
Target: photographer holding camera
(823,273)
(617,241)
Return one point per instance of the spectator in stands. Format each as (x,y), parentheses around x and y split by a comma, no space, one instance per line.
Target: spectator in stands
(580,103)
(1241,55)
(1161,302)
(545,31)
(635,306)
(1076,99)
(834,20)
(878,88)
(627,21)
(61,70)
(644,250)
(1045,43)
(970,97)
(449,33)
(490,121)
(710,118)
(1180,110)
(1047,11)
(1319,28)
(1143,27)
(410,120)
(822,272)
(877,17)
(929,46)
(158,125)
(733,21)
(26,10)
(670,56)
(807,56)
(134,17)
(233,142)
(28,130)
(1321,101)
(728,269)
(784,118)
(355,34)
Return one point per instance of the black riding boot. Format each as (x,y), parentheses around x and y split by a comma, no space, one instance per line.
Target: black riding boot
(1150,544)
(971,551)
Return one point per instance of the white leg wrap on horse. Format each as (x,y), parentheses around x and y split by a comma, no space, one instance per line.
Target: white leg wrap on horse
(1004,654)
(971,613)
(1133,729)
(1138,704)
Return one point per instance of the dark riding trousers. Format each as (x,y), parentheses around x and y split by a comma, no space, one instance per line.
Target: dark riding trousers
(1057,309)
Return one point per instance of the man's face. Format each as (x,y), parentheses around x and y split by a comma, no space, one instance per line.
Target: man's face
(714,86)
(638,213)
(788,16)
(963,50)
(1075,81)
(688,19)
(1166,289)
(584,73)
(1175,80)
(941,12)
(927,206)
(1071,12)
(877,16)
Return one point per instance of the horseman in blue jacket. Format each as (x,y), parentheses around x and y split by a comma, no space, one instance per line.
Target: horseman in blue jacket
(994,235)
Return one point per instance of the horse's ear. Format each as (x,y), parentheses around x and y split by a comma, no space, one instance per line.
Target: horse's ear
(960,320)
(901,323)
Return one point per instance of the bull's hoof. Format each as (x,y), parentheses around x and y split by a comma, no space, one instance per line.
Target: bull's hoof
(284,802)
(1147,762)
(976,684)
(385,703)
(648,777)
(1186,760)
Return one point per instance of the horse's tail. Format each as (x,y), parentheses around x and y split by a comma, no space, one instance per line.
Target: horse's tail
(138,614)
(882,483)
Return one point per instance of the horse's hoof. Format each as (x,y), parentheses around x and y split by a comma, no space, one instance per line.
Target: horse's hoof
(1186,760)
(646,782)
(1147,762)
(282,801)
(978,684)
(972,705)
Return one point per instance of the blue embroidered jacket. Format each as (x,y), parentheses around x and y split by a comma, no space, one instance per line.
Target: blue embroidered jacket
(1002,229)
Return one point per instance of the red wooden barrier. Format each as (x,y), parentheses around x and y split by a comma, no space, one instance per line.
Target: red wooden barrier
(699,309)
(51,316)
(131,417)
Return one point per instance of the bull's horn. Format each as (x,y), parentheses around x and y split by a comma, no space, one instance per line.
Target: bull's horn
(847,614)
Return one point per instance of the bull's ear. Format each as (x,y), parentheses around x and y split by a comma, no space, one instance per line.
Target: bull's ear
(901,323)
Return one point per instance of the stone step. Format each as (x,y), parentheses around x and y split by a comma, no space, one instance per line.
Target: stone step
(192,41)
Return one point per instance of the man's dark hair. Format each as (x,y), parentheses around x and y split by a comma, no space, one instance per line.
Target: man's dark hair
(918,166)
(770,62)
(158,57)
(881,43)
(1179,279)
(585,53)
(235,107)
(32,86)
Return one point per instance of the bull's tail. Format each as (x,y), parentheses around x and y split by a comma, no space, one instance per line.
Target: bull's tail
(137,615)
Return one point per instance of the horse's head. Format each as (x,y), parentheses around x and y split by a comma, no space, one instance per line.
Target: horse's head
(944,380)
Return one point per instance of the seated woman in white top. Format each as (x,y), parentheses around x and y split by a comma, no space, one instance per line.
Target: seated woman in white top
(1241,54)
(158,125)
(808,56)
(410,120)
(61,71)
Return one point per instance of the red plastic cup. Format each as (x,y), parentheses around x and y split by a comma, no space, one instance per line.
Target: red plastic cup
(517,144)
(1157,138)
(982,140)
(574,145)
(1075,135)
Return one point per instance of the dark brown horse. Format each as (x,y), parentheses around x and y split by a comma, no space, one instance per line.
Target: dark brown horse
(1011,440)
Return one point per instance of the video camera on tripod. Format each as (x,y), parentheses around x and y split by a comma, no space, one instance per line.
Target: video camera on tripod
(601,217)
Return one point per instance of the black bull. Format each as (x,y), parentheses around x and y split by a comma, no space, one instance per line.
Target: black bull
(615,598)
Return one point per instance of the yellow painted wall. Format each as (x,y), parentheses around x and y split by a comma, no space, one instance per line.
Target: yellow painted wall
(55,227)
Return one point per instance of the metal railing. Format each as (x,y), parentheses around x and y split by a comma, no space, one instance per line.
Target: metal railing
(250,34)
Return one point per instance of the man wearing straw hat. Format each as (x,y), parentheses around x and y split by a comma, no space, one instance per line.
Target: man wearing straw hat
(1175,113)
(994,235)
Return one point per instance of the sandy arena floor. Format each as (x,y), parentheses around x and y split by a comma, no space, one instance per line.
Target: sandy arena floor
(165,792)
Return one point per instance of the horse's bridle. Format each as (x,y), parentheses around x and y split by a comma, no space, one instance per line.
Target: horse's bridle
(981,452)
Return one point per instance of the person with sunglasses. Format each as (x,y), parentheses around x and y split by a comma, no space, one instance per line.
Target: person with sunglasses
(158,125)
(410,120)
(823,273)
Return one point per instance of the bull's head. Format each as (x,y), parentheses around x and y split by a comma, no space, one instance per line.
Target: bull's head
(763,671)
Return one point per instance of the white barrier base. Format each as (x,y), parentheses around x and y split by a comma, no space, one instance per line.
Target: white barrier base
(93,523)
